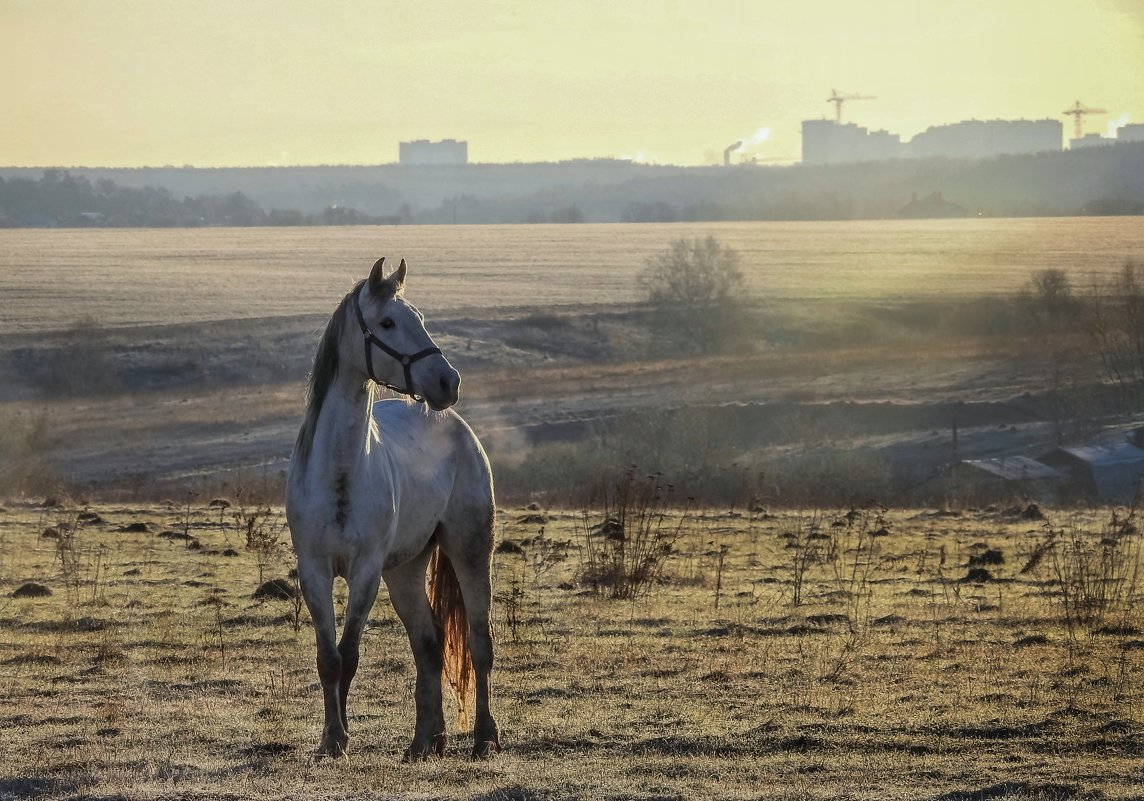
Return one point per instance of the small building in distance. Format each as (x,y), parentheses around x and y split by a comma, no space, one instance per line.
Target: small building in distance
(1111,473)
(422,152)
(1008,477)
(930,207)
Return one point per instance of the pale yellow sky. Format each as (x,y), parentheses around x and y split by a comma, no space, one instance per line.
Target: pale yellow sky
(260,82)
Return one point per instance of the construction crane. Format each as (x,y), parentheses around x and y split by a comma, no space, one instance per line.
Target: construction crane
(838,99)
(1077,112)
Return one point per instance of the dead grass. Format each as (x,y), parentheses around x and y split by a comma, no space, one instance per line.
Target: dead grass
(214,274)
(158,675)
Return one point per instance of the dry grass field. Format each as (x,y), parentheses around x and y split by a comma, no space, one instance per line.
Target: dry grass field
(975,654)
(52,279)
(162,359)
(982,653)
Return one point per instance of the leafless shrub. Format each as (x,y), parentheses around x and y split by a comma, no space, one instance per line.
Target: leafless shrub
(695,287)
(24,468)
(512,600)
(260,528)
(630,531)
(83,570)
(1116,326)
(1096,574)
(853,555)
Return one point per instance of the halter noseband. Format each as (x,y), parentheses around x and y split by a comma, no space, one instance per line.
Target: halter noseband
(405,359)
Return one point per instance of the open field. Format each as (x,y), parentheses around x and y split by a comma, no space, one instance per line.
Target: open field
(932,656)
(783,655)
(49,280)
(149,361)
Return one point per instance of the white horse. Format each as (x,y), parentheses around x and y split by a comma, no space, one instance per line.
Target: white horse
(386,489)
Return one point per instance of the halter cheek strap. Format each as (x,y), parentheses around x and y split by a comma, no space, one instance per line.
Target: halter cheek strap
(406,360)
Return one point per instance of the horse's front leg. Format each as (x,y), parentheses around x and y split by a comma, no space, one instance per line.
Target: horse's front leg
(317,583)
(407,592)
(363,583)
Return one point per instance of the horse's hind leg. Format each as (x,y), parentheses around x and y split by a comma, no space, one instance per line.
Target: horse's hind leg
(407,592)
(471,560)
(317,583)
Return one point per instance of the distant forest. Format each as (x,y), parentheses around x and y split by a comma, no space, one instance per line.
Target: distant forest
(1092,181)
(61,199)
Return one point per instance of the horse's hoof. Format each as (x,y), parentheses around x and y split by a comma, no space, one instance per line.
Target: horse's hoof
(333,747)
(421,752)
(486,749)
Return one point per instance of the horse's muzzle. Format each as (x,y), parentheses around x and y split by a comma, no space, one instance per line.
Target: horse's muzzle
(445,391)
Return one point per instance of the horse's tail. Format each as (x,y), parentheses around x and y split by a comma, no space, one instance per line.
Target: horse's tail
(449,610)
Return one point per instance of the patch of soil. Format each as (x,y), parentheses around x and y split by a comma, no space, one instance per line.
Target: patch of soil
(1057,792)
(279,589)
(990,556)
(1031,512)
(32,659)
(175,535)
(31,589)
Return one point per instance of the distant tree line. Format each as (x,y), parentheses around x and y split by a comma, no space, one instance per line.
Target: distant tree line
(59,198)
(1089,181)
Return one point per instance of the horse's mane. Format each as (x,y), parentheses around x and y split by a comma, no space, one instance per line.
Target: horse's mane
(325,368)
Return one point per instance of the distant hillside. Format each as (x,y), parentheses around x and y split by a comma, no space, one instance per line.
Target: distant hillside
(1105,180)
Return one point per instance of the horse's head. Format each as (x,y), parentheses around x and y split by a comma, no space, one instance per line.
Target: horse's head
(395,350)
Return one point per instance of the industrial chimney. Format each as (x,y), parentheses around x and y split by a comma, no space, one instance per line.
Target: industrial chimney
(727,152)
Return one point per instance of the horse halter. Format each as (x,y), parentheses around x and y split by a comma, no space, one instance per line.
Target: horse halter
(405,359)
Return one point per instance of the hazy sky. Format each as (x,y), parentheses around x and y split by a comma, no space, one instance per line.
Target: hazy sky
(256,82)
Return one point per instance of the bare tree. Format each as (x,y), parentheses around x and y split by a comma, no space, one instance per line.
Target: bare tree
(699,272)
(695,289)
(1116,323)
(1053,309)
(1052,297)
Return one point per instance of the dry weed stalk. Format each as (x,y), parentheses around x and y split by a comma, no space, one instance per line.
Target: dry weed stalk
(82,571)
(805,544)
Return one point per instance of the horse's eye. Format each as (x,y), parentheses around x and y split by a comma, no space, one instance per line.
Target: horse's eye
(387,322)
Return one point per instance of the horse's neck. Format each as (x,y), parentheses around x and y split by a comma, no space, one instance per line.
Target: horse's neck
(342,430)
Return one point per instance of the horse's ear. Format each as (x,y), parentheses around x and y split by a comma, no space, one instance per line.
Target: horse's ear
(375,276)
(398,277)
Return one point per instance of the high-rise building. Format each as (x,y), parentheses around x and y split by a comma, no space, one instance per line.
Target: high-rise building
(829,142)
(422,151)
(1133,132)
(1090,140)
(976,139)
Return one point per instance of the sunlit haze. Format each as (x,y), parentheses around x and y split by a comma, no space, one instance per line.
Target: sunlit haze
(101,83)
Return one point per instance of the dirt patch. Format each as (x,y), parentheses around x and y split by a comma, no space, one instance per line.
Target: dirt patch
(31,589)
(279,589)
